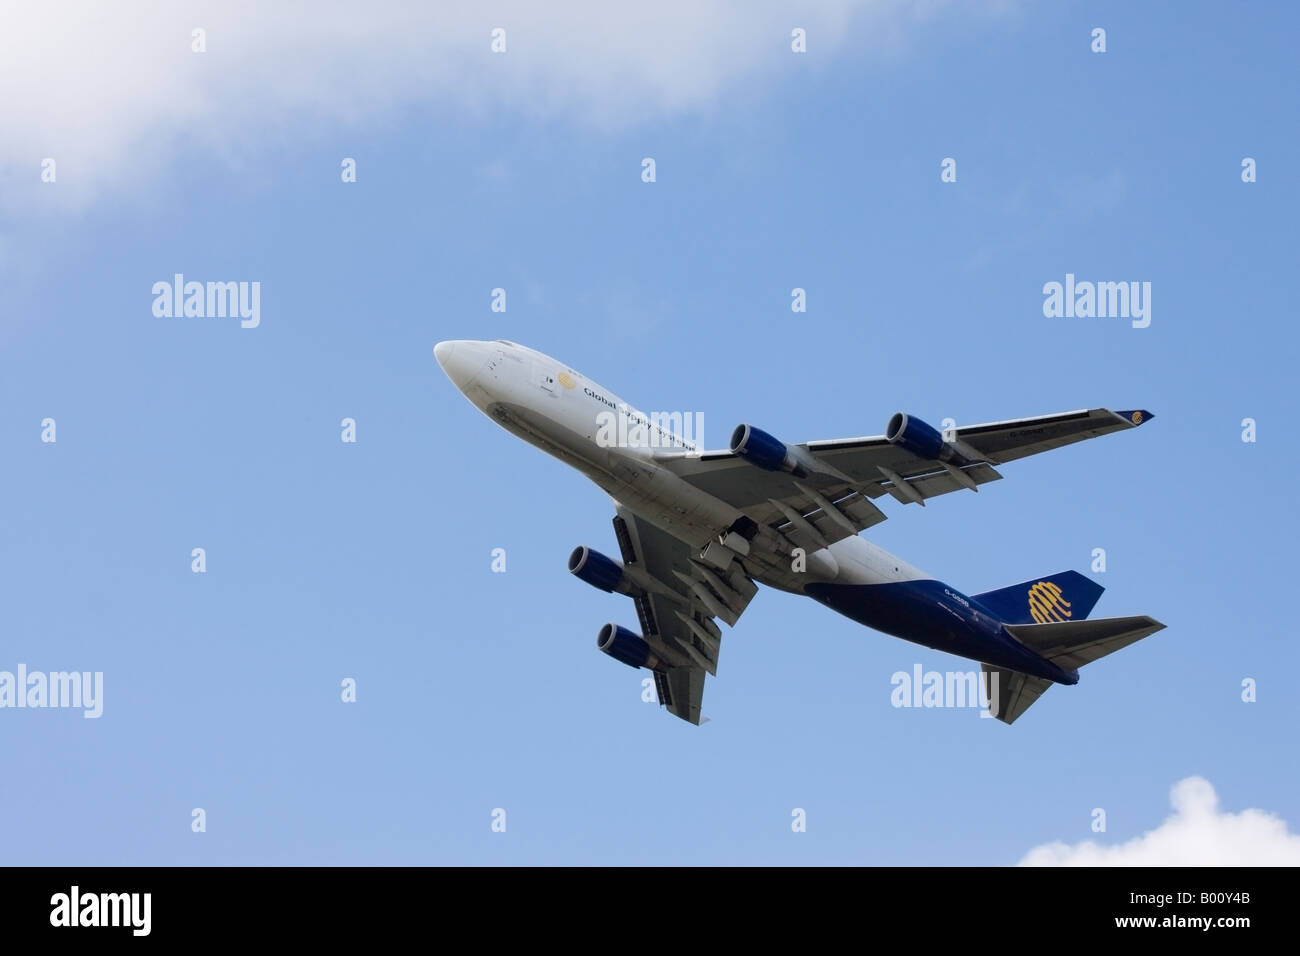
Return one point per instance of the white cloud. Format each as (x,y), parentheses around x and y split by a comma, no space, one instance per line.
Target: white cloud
(113,91)
(1196,834)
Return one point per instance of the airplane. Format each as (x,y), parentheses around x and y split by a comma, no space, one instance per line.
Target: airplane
(698,531)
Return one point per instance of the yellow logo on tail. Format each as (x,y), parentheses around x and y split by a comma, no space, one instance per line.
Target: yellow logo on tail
(1046,603)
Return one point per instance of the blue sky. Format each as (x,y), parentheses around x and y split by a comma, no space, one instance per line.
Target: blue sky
(372,560)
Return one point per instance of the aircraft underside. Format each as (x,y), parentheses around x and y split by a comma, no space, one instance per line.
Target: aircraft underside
(697,530)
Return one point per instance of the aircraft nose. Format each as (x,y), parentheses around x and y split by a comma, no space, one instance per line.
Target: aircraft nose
(461,360)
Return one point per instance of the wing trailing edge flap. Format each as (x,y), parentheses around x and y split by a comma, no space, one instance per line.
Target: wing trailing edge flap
(931,484)
(814,519)
(724,594)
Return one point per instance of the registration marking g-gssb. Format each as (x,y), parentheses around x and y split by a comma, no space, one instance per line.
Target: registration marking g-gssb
(958,598)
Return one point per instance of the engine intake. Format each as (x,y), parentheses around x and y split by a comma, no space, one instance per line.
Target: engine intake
(626,647)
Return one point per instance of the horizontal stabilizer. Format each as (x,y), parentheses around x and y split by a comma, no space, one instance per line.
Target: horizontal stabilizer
(1071,644)
(1010,693)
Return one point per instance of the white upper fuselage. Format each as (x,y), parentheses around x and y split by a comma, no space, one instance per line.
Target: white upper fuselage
(585,425)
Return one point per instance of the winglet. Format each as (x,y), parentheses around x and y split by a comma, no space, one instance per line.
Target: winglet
(1135,416)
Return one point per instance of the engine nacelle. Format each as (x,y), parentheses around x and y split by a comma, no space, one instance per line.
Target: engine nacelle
(627,647)
(597,570)
(759,448)
(922,440)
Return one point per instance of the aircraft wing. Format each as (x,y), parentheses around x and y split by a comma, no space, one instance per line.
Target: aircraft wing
(677,608)
(832,498)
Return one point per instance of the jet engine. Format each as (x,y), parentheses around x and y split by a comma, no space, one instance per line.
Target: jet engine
(922,440)
(597,570)
(762,450)
(627,647)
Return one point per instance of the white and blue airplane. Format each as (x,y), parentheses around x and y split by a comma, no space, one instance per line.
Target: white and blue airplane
(699,530)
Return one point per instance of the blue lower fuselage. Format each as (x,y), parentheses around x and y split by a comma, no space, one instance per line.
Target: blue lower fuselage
(932,614)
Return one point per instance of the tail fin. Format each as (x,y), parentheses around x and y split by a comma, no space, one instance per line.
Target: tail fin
(1067,596)
(1069,644)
